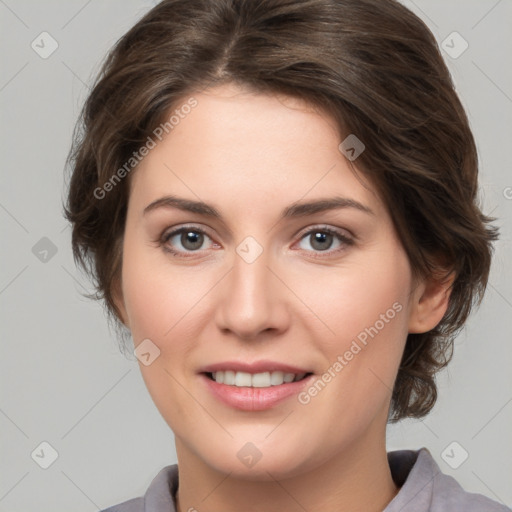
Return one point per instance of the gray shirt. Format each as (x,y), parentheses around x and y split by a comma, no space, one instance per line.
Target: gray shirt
(423,488)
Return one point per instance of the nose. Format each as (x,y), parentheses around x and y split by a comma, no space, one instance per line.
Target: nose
(253,300)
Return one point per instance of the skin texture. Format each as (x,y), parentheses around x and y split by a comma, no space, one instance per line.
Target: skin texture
(251,155)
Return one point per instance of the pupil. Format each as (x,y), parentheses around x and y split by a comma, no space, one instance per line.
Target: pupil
(321,238)
(196,241)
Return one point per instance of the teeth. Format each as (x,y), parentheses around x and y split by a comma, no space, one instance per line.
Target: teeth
(288,377)
(255,380)
(243,379)
(260,380)
(229,377)
(276,378)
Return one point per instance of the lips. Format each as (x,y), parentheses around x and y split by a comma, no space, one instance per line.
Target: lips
(254,386)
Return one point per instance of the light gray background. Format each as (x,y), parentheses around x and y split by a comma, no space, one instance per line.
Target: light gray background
(63,380)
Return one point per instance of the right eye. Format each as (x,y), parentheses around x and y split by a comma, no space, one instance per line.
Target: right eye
(190,238)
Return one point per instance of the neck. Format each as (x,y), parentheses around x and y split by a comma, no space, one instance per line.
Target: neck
(356,480)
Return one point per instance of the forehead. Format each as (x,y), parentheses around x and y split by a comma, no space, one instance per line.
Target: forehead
(251,149)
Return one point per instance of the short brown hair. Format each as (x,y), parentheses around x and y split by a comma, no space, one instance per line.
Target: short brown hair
(372,64)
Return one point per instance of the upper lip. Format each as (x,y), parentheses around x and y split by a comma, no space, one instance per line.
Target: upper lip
(254,367)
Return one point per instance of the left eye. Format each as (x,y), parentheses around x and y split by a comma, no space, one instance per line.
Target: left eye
(322,239)
(192,239)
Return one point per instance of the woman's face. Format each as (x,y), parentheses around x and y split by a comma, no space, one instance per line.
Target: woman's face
(260,294)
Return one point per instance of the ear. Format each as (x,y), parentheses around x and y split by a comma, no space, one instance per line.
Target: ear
(429,303)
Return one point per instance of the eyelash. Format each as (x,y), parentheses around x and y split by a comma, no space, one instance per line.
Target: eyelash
(346,241)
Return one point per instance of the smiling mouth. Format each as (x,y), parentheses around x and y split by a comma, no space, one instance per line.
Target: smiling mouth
(255,380)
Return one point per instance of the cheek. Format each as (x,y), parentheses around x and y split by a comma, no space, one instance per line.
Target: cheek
(157,293)
(362,298)
(158,302)
(365,308)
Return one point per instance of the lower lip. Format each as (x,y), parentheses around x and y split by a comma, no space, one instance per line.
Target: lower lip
(254,399)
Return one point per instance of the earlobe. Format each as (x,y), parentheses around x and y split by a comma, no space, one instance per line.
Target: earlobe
(430,302)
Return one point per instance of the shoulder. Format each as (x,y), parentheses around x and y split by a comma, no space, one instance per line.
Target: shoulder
(159,497)
(425,488)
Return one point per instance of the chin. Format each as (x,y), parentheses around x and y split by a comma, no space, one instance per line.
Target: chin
(245,461)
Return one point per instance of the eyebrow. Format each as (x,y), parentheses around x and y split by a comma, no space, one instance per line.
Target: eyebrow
(294,210)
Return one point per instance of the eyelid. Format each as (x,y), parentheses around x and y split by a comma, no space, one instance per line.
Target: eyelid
(343,232)
(173,230)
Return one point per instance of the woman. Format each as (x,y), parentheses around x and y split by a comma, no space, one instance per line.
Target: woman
(277,200)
